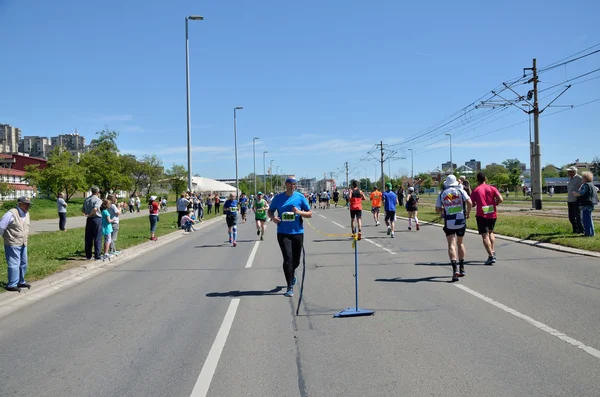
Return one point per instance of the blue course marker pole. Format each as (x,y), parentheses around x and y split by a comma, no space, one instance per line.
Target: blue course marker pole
(356,311)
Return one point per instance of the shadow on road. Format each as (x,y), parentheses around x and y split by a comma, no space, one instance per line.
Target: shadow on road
(237,293)
(432,279)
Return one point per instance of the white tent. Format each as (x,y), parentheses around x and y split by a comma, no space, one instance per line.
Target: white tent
(200,184)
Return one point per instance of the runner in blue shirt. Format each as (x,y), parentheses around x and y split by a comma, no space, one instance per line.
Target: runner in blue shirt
(243,206)
(230,209)
(390,201)
(291,207)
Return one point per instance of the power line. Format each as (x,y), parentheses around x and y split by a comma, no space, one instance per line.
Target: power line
(574,78)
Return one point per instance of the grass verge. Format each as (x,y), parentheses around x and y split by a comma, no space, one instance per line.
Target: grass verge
(543,229)
(52,252)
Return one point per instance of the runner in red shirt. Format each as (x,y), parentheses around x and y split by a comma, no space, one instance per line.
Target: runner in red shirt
(486,198)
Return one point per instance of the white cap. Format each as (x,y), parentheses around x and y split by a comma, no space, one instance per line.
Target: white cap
(451,181)
(152,198)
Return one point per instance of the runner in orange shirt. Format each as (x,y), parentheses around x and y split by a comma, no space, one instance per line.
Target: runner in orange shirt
(376,204)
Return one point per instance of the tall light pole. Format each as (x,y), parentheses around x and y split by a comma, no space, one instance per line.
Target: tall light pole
(254,156)
(187,83)
(451,163)
(412,169)
(264,172)
(277,177)
(271,173)
(237,182)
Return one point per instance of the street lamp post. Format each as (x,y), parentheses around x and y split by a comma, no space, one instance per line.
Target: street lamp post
(412,169)
(254,156)
(451,163)
(237,182)
(277,177)
(187,83)
(271,173)
(264,172)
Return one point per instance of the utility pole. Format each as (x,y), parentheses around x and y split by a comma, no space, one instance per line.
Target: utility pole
(536,171)
(347,182)
(382,174)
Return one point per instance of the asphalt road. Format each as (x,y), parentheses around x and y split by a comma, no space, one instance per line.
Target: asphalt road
(158,324)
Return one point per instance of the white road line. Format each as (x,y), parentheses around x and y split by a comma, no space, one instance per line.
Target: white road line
(210,365)
(335,223)
(322,216)
(535,323)
(373,242)
(380,246)
(252,255)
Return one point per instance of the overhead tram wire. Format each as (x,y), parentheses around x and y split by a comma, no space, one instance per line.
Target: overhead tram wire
(574,78)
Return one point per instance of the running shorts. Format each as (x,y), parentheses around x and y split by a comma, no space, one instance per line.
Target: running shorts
(355,214)
(243,210)
(459,232)
(231,220)
(375,210)
(485,225)
(390,216)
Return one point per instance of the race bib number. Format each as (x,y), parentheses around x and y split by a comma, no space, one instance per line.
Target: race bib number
(488,209)
(288,217)
(232,209)
(260,211)
(456,209)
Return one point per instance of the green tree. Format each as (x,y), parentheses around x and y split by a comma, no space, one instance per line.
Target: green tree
(105,167)
(5,189)
(496,174)
(514,178)
(595,166)
(549,172)
(145,173)
(61,174)
(177,179)
(512,165)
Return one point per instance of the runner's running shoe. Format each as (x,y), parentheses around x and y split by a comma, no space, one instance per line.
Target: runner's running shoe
(490,260)
(289,292)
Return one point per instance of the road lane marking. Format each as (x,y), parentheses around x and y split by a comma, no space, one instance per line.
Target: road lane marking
(535,323)
(380,246)
(335,223)
(322,216)
(210,365)
(252,255)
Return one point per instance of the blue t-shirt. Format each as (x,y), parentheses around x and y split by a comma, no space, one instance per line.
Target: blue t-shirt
(244,202)
(283,204)
(106,226)
(230,208)
(389,201)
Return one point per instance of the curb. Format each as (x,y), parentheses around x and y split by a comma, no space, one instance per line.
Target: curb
(9,302)
(533,243)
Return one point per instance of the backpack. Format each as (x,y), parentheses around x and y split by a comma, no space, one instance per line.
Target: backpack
(593,193)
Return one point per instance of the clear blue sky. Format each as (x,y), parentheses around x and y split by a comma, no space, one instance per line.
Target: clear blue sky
(320,81)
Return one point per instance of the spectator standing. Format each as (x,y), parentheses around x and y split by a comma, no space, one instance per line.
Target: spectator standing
(587,198)
(138,203)
(209,204)
(93,224)
(114,215)
(14,227)
(182,208)
(131,204)
(106,227)
(153,208)
(217,204)
(573,185)
(465,184)
(400,195)
(62,212)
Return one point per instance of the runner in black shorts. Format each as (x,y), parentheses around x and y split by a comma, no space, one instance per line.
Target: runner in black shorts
(356,199)
(485,225)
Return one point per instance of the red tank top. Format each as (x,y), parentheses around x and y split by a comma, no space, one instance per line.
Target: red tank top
(355,200)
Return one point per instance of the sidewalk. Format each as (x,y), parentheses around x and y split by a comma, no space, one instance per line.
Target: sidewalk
(51,225)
